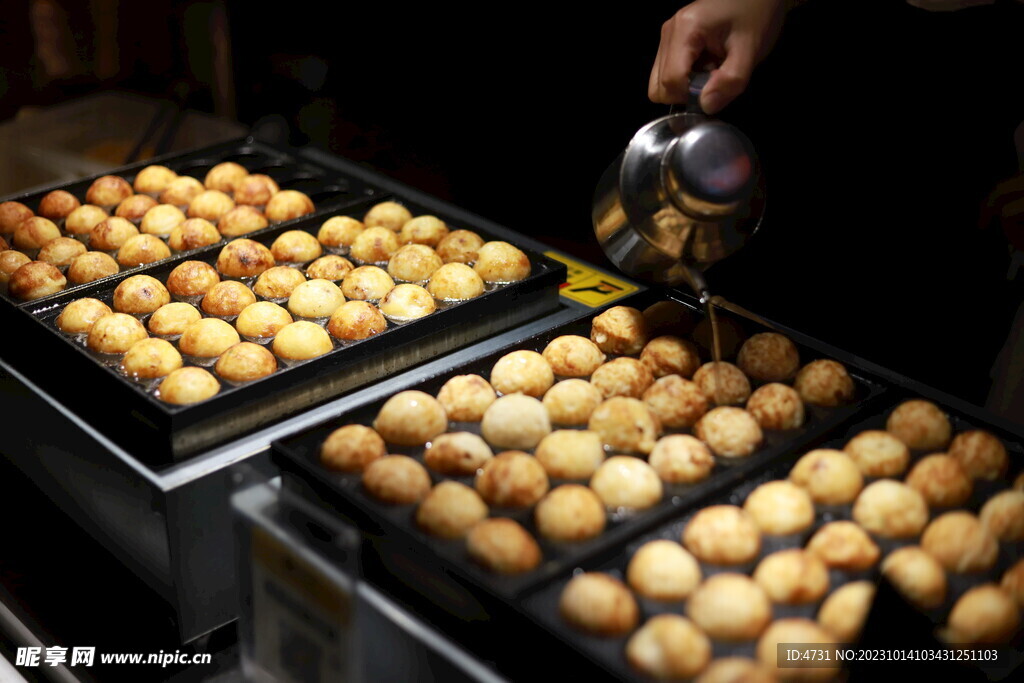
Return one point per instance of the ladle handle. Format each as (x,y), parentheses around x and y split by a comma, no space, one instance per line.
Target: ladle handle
(698,79)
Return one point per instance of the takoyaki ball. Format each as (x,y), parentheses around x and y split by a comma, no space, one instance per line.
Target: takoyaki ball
(390,215)
(13,214)
(315,299)
(663,570)
(245,362)
(171,319)
(82,220)
(193,234)
(620,330)
(11,260)
(622,377)
(108,190)
(153,179)
(669,355)
(374,245)
(211,205)
(512,479)
(330,267)
(192,278)
(79,316)
(570,453)
(255,189)
(61,251)
(878,453)
(573,356)
(36,279)
(1003,515)
(426,230)
(262,320)
(734,389)
(396,479)
(241,220)
(776,406)
(768,357)
(460,246)
(891,510)
(792,577)
(339,231)
(407,302)
(356,320)
(134,208)
(824,383)
(244,258)
(723,534)
(227,298)
(623,481)
(1013,581)
(181,191)
(115,333)
(302,340)
(151,358)
(288,204)
(367,283)
(278,282)
(984,614)
(515,421)
(669,646)
(625,424)
(90,266)
(34,232)
(503,546)
(410,418)
(140,294)
(730,607)
(351,448)
(188,385)
(920,425)
(457,453)
(58,204)
(525,372)
(729,432)
(207,338)
(780,507)
(296,246)
(572,402)
(110,233)
(570,513)
(224,176)
(161,220)
(681,459)
(844,545)
(736,670)
(960,542)
(677,402)
(730,336)
(599,604)
(796,630)
(501,262)
(142,249)
(413,263)
(941,480)
(830,477)
(466,397)
(668,318)
(450,510)
(980,453)
(844,611)
(455,282)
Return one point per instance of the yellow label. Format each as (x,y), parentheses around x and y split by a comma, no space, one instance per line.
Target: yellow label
(589,286)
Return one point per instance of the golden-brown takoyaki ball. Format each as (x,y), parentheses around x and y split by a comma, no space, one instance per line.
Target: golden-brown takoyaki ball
(207,338)
(844,611)
(413,263)
(796,630)
(110,233)
(115,333)
(188,385)
(255,189)
(351,448)
(11,260)
(193,234)
(224,176)
(723,534)
(153,179)
(296,246)
(501,262)
(241,220)
(984,614)
(780,507)
(890,509)
(1013,581)
(211,205)
(460,246)
(302,340)
(515,421)
(315,299)
(1003,515)
(374,245)
(831,477)
(730,607)
(572,402)
(455,282)
(960,542)
(824,383)
(573,356)
(730,336)
(140,294)
(941,480)
(288,204)
(82,220)
(844,545)
(667,355)
(262,320)
(599,604)
(367,283)
(920,425)
(681,459)
(729,432)
(620,330)
(356,320)
(458,453)
(151,358)
(245,362)
(13,214)
(57,204)
(570,453)
(390,215)
(663,570)
(34,232)
(792,577)
(108,190)
(244,258)
(339,231)
(734,389)
(227,298)
(278,282)
(502,545)
(623,481)
(192,278)
(450,510)
(90,266)
(512,479)
(522,371)
(466,397)
(776,406)
(331,267)
(61,252)
(980,453)
(134,208)
(668,318)
(669,646)
(36,279)
(622,377)
(181,191)
(396,479)
(736,670)
(161,220)
(407,302)
(625,424)
(570,513)
(410,418)
(79,316)
(172,319)
(677,402)
(426,230)
(768,357)
(142,249)
(878,453)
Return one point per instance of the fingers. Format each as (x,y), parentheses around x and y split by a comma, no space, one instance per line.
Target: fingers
(681,44)
(729,80)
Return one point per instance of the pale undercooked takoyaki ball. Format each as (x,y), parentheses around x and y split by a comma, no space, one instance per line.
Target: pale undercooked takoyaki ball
(153,179)
(245,362)
(984,614)
(241,220)
(224,176)
(207,338)
(458,453)
(780,507)
(572,402)
(736,670)
(501,262)
(663,570)
(960,542)
(941,480)
(723,534)
(188,385)
(730,607)
(171,319)
(142,249)
(367,283)
(466,397)
(455,282)
(193,234)
(830,477)
(573,356)
(295,246)
(622,377)
(301,340)
(91,266)
(570,513)
(668,318)
(1013,581)
(729,432)
(920,425)
(460,246)
(108,190)
(288,204)
(181,191)
(262,320)
(315,299)
(11,260)
(599,604)
(669,646)
(227,298)
(844,545)
(13,214)
(134,208)
(620,330)
(82,220)
(161,220)
(192,278)
(669,355)
(795,630)
(450,510)
(331,267)
(396,479)
(512,479)
(79,316)
(681,459)
(625,424)
(140,294)
(425,230)
(980,453)
(339,231)
(151,358)
(115,333)
(734,388)
(211,205)
(878,453)
(356,320)
(58,204)
(677,402)
(374,245)
(890,509)
(410,418)
(916,575)
(351,448)
(36,279)
(503,546)
(255,189)
(792,577)
(244,258)
(278,282)
(768,357)
(1003,515)
(515,421)
(390,215)
(34,232)
(522,371)
(844,611)
(570,453)
(61,252)
(407,302)
(776,406)
(824,383)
